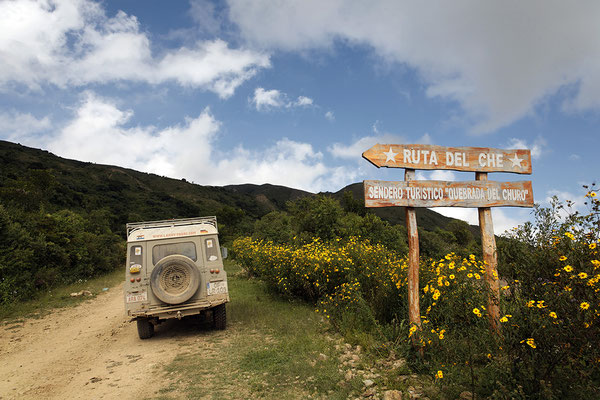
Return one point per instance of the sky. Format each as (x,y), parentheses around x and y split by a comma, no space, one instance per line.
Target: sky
(292,92)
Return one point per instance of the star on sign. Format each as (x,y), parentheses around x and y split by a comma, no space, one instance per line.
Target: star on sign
(390,155)
(516,161)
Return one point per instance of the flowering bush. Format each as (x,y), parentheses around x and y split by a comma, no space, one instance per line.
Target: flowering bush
(549,301)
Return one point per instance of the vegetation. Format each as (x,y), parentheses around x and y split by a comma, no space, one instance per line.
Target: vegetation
(272,349)
(548,345)
(62,220)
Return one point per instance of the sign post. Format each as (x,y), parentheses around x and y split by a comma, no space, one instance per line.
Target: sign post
(480,193)
(414,312)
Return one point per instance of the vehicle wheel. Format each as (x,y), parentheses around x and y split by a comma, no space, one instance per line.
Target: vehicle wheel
(175,279)
(220,317)
(145,328)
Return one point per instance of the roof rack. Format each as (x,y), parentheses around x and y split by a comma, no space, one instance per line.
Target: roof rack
(171,223)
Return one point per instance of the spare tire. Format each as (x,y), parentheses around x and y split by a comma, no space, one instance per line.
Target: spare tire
(175,279)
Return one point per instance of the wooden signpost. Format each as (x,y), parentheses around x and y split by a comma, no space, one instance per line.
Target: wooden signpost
(479,193)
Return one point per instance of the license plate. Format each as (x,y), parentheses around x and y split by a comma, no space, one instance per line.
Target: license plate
(137,297)
(216,288)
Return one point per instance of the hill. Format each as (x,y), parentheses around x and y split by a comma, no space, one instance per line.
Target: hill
(33,177)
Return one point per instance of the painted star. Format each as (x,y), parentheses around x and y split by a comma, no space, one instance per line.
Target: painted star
(390,155)
(516,161)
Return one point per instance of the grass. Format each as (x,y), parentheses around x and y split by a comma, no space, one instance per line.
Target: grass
(59,297)
(273,348)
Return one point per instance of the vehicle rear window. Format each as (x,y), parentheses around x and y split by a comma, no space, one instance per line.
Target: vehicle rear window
(160,251)
(211,250)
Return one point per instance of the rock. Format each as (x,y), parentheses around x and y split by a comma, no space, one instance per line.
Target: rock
(392,395)
(323,357)
(355,358)
(349,375)
(358,349)
(86,293)
(370,392)
(368,382)
(466,395)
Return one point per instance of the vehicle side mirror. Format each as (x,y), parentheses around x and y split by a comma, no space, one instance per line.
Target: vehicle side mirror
(223,252)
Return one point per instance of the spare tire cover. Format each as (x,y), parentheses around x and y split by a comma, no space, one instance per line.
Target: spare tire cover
(175,279)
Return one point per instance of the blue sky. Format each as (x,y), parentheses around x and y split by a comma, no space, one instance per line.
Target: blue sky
(292,92)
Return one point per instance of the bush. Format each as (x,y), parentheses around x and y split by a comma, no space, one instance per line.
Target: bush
(549,301)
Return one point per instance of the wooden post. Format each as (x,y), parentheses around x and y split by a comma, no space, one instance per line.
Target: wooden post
(490,256)
(414,311)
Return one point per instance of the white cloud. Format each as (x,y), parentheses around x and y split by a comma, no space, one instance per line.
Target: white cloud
(501,221)
(100,132)
(18,125)
(303,101)
(330,116)
(359,146)
(538,147)
(265,100)
(73,43)
(483,55)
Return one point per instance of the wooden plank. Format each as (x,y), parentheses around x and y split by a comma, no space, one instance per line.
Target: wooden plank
(447,194)
(423,156)
(490,256)
(414,312)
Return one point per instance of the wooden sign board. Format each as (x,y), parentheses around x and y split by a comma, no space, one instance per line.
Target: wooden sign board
(474,159)
(448,194)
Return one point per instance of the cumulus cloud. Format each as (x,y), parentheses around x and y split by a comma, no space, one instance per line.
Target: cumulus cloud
(501,219)
(497,60)
(537,147)
(354,150)
(265,100)
(330,116)
(100,132)
(73,43)
(19,125)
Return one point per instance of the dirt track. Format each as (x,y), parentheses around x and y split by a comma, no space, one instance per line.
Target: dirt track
(88,351)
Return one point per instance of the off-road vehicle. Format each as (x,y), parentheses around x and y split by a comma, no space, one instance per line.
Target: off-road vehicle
(174,269)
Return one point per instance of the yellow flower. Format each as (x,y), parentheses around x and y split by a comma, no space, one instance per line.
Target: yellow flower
(570,235)
(441,335)
(540,304)
(530,303)
(439,375)
(477,312)
(568,268)
(552,314)
(584,305)
(582,275)
(562,258)
(477,276)
(503,319)
(451,276)
(412,330)
(505,287)
(529,342)
(469,275)
(592,246)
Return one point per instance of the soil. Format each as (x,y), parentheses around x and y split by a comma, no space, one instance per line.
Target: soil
(88,351)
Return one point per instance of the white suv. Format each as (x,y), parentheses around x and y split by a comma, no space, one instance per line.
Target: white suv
(174,269)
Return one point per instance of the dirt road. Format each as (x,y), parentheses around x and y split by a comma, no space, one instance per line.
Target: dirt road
(89,351)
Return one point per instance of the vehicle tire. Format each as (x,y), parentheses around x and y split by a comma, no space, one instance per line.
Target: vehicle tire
(220,317)
(175,279)
(145,328)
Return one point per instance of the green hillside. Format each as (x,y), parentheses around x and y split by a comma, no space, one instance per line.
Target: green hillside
(63,220)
